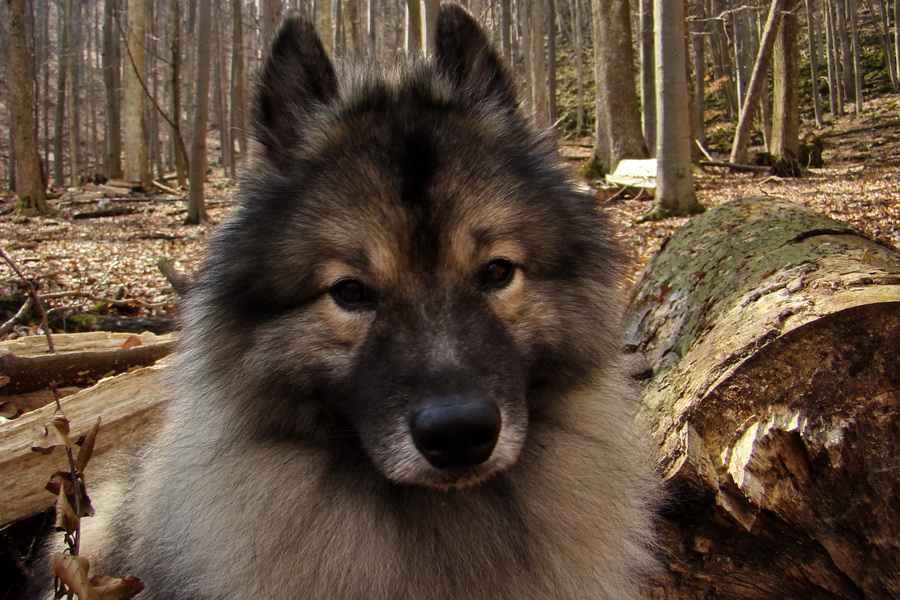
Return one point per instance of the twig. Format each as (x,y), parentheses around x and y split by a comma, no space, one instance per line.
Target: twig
(12,322)
(34,294)
(165,188)
(735,166)
(95,298)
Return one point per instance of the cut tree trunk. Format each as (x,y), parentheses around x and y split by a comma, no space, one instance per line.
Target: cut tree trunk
(772,335)
(128,406)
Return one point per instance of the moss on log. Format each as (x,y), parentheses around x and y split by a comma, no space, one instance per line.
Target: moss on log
(773,335)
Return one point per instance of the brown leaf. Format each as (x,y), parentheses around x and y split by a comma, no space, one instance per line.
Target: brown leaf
(87,447)
(132,342)
(72,572)
(56,433)
(66,519)
(110,588)
(62,480)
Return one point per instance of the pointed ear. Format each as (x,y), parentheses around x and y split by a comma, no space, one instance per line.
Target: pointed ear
(297,78)
(464,53)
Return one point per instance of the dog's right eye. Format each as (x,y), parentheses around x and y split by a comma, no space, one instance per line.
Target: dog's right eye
(350,294)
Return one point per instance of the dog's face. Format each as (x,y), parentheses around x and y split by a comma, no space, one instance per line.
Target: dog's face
(409,270)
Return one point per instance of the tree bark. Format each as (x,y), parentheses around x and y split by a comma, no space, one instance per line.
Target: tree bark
(196,199)
(30,186)
(619,132)
(181,161)
(551,61)
(430,10)
(811,30)
(835,95)
(136,166)
(674,182)
(270,16)
(757,79)
(579,66)
(648,76)
(785,144)
(857,57)
(413,26)
(112,61)
(59,112)
(238,95)
(770,333)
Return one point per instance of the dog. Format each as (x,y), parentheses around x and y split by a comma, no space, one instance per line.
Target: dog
(398,377)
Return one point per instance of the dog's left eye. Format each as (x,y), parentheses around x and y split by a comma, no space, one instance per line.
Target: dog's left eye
(350,294)
(497,273)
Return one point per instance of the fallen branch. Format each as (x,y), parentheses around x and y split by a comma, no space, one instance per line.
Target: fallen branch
(165,188)
(104,212)
(735,166)
(30,373)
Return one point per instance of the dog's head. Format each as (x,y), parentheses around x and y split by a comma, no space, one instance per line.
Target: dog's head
(410,270)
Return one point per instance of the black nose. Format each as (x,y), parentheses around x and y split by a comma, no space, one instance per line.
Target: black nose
(455,431)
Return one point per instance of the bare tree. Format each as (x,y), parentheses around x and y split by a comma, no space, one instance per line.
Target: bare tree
(238,96)
(786,106)
(757,79)
(196,200)
(270,16)
(136,165)
(674,182)
(30,186)
(112,61)
(648,74)
(814,60)
(619,132)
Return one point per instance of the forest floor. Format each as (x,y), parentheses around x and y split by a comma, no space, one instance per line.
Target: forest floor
(115,257)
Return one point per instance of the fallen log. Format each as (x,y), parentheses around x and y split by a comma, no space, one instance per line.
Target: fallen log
(116,211)
(81,359)
(772,335)
(128,406)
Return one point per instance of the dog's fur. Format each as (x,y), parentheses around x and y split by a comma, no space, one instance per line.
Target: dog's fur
(287,468)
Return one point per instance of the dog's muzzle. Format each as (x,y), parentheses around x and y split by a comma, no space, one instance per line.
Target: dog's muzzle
(455,430)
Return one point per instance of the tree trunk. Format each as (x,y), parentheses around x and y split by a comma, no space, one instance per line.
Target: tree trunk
(413,26)
(337,28)
(30,186)
(196,200)
(814,61)
(619,132)
(785,145)
(111,81)
(835,97)
(270,17)
(430,10)
(136,166)
(551,61)
(579,67)
(674,182)
(181,161)
(538,73)
(771,333)
(238,96)
(847,63)
(890,64)
(648,76)
(698,44)
(757,79)
(371,11)
(857,60)
(505,26)
(59,112)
